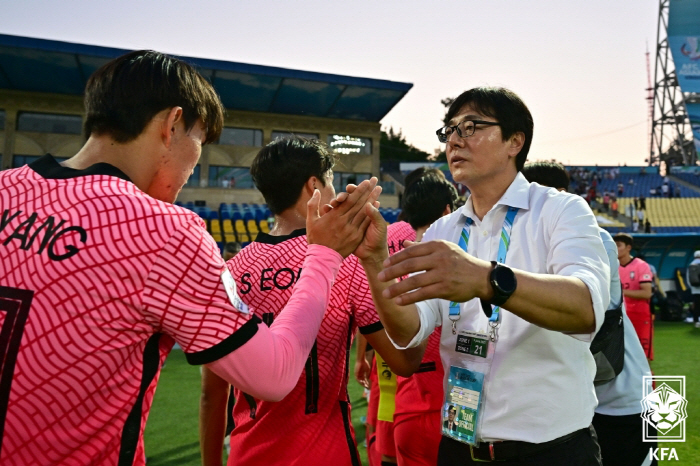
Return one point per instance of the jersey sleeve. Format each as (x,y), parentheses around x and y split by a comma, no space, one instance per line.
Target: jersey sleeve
(190,295)
(360,299)
(645,275)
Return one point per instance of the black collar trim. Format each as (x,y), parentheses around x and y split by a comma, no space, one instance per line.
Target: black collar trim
(269,239)
(629,262)
(48,167)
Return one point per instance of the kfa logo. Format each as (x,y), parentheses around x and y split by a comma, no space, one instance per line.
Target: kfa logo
(664,413)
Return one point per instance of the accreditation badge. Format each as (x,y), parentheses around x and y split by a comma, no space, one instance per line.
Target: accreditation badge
(463,405)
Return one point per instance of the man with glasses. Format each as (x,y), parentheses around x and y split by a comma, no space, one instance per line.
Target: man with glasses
(520,376)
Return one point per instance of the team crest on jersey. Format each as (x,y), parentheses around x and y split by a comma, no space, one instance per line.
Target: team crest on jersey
(230,287)
(631,275)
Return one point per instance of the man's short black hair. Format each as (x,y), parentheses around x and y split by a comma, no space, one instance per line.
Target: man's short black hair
(420,172)
(124,95)
(550,174)
(425,199)
(503,105)
(281,169)
(623,238)
(232,247)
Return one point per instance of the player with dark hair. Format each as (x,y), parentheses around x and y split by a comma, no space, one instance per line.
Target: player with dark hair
(636,278)
(101,274)
(419,397)
(231,249)
(377,377)
(310,426)
(617,418)
(550,174)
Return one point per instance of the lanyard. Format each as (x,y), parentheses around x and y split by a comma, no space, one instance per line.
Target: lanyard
(494,320)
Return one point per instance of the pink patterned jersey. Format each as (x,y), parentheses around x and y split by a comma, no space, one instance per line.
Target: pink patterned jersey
(397,233)
(310,426)
(97,280)
(632,276)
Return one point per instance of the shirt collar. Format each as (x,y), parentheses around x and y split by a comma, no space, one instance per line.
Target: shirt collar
(517,195)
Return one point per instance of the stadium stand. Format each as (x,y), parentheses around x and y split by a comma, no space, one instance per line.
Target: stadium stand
(688,178)
(675,212)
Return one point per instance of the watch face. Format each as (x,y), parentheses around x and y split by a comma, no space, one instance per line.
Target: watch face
(505,279)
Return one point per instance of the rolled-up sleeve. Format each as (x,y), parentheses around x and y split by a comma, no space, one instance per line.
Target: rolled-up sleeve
(430,318)
(576,250)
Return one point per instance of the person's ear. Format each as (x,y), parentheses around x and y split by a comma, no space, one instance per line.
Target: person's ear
(169,126)
(311,185)
(447,210)
(517,141)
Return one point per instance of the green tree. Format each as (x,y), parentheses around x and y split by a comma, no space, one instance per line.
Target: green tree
(393,146)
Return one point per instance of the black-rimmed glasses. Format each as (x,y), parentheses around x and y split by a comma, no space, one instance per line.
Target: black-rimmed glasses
(464,129)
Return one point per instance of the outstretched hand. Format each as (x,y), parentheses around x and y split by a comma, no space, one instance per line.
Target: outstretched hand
(341,227)
(448,273)
(374,243)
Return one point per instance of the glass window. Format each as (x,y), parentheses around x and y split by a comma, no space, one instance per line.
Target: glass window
(344,144)
(241,137)
(284,134)
(230,177)
(2,119)
(342,179)
(193,180)
(49,123)
(22,160)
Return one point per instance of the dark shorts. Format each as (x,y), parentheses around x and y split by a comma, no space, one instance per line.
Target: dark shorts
(620,439)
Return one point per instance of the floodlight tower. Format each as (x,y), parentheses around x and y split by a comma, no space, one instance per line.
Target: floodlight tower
(671,135)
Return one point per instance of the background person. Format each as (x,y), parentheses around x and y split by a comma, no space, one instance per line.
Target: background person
(554,296)
(636,279)
(419,397)
(231,249)
(695,290)
(311,425)
(382,436)
(617,420)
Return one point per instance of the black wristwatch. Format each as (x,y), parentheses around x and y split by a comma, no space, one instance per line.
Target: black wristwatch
(503,282)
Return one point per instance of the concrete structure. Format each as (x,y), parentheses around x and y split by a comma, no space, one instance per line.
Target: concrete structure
(41,111)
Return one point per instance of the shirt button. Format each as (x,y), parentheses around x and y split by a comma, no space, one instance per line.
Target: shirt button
(485,233)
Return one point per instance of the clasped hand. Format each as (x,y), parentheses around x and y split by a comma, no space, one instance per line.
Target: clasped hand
(447,273)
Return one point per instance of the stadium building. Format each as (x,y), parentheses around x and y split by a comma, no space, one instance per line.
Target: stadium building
(41,111)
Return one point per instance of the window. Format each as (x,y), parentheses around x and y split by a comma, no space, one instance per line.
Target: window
(193,180)
(22,160)
(230,177)
(342,179)
(2,120)
(285,134)
(350,144)
(49,123)
(241,137)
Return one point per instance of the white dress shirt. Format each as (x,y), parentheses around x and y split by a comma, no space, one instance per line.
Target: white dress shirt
(541,382)
(622,396)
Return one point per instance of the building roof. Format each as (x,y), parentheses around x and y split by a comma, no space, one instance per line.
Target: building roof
(40,65)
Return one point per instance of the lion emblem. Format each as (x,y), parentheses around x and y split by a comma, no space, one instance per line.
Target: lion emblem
(664,408)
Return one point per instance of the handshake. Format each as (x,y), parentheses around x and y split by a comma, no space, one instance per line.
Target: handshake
(351,222)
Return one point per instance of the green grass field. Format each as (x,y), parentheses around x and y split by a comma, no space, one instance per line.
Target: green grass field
(172,431)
